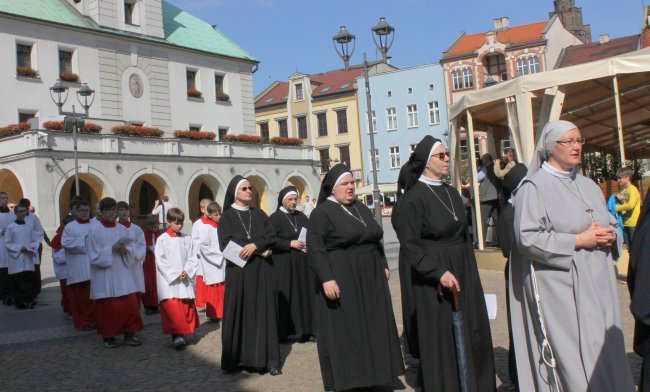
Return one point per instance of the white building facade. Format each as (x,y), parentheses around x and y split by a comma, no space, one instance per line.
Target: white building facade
(150,64)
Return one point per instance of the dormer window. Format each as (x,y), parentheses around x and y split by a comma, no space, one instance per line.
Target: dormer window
(300,94)
(131,12)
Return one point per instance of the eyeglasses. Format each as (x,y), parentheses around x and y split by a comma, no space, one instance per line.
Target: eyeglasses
(570,143)
(441,155)
(247,188)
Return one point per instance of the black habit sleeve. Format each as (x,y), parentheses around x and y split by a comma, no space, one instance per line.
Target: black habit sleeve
(281,243)
(411,223)
(225,230)
(317,232)
(264,238)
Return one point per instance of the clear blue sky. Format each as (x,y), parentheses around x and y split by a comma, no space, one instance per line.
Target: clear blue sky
(290,35)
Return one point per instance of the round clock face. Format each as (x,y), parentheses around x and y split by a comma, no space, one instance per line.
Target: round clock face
(135,85)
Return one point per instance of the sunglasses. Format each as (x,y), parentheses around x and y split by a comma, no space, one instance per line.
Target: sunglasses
(247,188)
(441,155)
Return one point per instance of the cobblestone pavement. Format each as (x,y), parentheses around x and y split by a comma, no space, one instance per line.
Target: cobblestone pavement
(40,350)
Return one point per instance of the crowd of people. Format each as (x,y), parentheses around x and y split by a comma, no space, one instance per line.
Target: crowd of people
(320,274)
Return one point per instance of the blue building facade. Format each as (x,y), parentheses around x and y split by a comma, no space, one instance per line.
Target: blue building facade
(407,104)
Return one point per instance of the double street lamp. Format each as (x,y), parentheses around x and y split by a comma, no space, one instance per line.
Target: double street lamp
(383,36)
(75,123)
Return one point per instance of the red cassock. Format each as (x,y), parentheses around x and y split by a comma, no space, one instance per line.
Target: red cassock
(214,300)
(150,296)
(179,316)
(199,292)
(118,315)
(82,307)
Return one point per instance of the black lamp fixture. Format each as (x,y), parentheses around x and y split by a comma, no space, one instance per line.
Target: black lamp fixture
(383,34)
(87,94)
(59,93)
(343,39)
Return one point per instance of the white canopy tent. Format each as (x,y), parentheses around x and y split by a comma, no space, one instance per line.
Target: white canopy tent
(609,100)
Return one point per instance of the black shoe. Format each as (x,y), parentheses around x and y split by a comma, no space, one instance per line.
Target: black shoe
(132,340)
(110,343)
(275,371)
(149,311)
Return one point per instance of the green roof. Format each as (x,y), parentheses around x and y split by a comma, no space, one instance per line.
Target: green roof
(181,28)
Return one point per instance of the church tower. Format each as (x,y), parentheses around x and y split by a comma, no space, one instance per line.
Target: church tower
(571,17)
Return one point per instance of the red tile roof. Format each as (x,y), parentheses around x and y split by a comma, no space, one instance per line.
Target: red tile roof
(578,54)
(328,83)
(467,44)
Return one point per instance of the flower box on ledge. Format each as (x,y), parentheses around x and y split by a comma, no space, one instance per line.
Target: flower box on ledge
(132,130)
(57,126)
(286,141)
(243,138)
(27,72)
(223,97)
(194,135)
(67,76)
(14,129)
(194,93)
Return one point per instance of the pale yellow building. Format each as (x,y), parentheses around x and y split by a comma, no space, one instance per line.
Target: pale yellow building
(323,110)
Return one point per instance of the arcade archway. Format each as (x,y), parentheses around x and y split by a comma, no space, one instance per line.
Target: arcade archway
(260,193)
(204,186)
(10,184)
(301,186)
(144,192)
(91,188)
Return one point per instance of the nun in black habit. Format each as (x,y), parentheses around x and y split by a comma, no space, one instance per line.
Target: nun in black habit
(358,345)
(296,280)
(638,282)
(249,332)
(433,236)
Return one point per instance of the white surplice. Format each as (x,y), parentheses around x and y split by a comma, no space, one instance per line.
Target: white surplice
(59,264)
(173,256)
(206,240)
(76,241)
(32,219)
(18,236)
(110,272)
(196,227)
(138,250)
(6,218)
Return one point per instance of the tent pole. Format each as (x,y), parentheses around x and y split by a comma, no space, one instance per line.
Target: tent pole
(619,121)
(474,175)
(454,137)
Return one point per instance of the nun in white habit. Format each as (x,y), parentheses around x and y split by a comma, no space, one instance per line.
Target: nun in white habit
(570,339)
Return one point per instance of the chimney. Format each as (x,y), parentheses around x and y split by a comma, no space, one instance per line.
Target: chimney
(502,23)
(603,38)
(645,31)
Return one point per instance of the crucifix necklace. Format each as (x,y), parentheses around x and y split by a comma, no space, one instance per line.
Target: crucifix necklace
(452,211)
(589,210)
(360,218)
(250,223)
(295,226)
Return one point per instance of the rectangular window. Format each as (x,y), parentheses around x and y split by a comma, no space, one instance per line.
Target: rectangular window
(464,149)
(223,131)
(321,118)
(282,128)
(129,10)
(376,159)
(506,144)
(300,94)
(412,115)
(522,67)
(218,83)
(457,77)
(324,160)
(533,62)
(191,78)
(342,121)
(302,127)
(26,115)
(468,77)
(412,148)
(23,55)
(434,113)
(374,123)
(195,127)
(65,61)
(393,156)
(344,155)
(391,119)
(264,131)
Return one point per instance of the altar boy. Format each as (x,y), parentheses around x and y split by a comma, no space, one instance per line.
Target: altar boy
(176,263)
(22,244)
(112,283)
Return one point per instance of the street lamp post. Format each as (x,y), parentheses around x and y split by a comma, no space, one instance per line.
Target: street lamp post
(59,93)
(383,35)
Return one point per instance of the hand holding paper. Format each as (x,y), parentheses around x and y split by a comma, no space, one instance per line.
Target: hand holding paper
(232,254)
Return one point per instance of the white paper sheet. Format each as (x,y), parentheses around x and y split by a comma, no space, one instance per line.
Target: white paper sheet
(232,253)
(491,303)
(303,237)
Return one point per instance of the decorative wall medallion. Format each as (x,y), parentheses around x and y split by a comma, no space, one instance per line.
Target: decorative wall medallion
(135,85)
